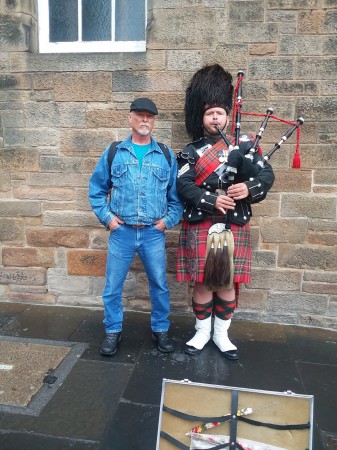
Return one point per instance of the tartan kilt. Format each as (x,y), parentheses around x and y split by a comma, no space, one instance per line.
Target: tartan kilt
(192,252)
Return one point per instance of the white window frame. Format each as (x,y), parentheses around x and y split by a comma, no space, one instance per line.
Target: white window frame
(84,47)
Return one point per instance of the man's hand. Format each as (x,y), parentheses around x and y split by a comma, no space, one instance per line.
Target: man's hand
(224,202)
(114,223)
(238,191)
(160,225)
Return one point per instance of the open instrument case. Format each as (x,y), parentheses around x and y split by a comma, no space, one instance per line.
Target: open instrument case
(245,418)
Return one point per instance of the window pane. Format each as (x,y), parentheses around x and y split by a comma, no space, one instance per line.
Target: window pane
(96,20)
(63,21)
(130,20)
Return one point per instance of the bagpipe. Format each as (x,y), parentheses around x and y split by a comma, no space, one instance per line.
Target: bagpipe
(240,165)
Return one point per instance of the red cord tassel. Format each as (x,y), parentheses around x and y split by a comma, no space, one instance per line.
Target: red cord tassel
(297,156)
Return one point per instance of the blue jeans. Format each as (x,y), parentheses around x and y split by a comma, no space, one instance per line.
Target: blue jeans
(149,243)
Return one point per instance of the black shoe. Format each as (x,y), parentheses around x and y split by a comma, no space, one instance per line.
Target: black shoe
(164,343)
(231,354)
(190,350)
(110,344)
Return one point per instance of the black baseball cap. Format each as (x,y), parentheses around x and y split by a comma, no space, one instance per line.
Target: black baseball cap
(144,104)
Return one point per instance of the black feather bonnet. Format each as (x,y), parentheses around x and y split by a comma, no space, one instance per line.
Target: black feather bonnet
(209,87)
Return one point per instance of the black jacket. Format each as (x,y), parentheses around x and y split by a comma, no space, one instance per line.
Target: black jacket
(200,200)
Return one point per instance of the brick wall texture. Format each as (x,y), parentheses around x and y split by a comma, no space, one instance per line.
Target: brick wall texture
(58,113)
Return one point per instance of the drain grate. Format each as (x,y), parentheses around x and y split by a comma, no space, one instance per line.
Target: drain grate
(31,370)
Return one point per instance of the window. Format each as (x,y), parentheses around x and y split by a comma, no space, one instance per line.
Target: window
(77,26)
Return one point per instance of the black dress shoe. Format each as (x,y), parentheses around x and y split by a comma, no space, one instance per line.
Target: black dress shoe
(231,354)
(110,344)
(164,343)
(190,350)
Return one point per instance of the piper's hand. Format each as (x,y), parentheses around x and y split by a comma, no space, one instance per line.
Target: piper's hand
(238,191)
(114,223)
(224,202)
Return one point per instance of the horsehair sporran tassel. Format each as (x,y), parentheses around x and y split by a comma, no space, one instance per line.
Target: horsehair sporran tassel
(219,265)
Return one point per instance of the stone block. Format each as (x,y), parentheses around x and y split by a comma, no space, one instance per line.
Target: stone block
(280,280)
(61,164)
(16,32)
(316,69)
(295,88)
(320,276)
(81,87)
(16,81)
(5,182)
(311,22)
(302,205)
(12,118)
(250,33)
(107,118)
(43,81)
(297,302)
(32,297)
(284,230)
(255,237)
(21,160)
(300,45)
(176,28)
(292,4)
(61,284)
(36,277)
(231,53)
(151,81)
(11,230)
(69,219)
(16,208)
(268,207)
(79,300)
(319,288)
(263,49)
(165,101)
(252,299)
(98,239)
(86,262)
(280,16)
(329,45)
(31,137)
(183,59)
(246,11)
(34,193)
(30,62)
(50,114)
(82,200)
(318,225)
(329,22)
(57,237)
(290,180)
(271,68)
(317,108)
(322,238)
(263,259)
(307,257)
(28,257)
(61,180)
(319,157)
(86,142)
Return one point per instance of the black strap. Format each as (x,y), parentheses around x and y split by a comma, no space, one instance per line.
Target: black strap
(234,423)
(182,415)
(174,441)
(301,426)
(113,148)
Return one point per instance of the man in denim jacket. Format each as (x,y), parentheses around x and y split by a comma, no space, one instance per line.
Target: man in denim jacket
(143,204)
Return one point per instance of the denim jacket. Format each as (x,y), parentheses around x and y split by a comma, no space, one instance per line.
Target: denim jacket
(138,196)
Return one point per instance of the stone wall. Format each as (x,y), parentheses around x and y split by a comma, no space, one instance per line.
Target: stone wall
(58,113)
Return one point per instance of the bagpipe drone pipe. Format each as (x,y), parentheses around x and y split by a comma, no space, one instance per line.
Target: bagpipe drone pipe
(241,164)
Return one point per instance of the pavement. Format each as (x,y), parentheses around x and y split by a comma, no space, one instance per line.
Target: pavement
(91,402)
